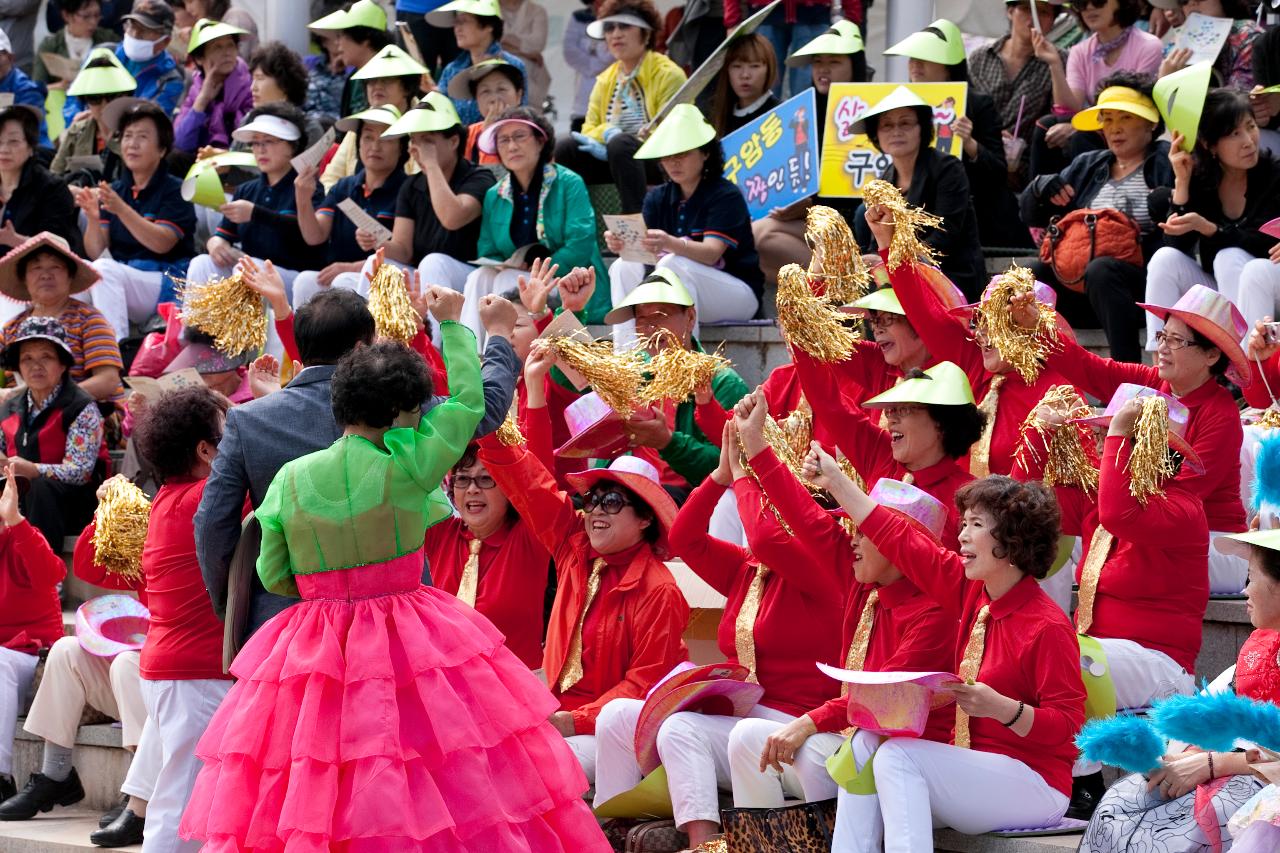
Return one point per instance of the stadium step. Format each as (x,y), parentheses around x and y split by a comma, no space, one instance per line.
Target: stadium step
(950,841)
(60,831)
(100,759)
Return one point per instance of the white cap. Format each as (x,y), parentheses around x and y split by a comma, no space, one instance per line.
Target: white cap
(5,45)
(271,126)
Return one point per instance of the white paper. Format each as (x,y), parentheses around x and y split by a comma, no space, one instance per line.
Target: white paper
(313,155)
(62,67)
(630,229)
(364,221)
(1203,36)
(1035,17)
(6,99)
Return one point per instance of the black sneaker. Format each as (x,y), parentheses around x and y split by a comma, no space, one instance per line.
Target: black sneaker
(1086,793)
(109,816)
(125,830)
(40,795)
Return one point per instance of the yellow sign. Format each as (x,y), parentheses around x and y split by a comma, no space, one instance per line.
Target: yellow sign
(849,160)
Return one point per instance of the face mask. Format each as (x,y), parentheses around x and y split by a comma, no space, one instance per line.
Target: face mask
(139,50)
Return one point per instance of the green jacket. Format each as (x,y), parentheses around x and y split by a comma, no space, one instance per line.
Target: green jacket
(57,43)
(566,226)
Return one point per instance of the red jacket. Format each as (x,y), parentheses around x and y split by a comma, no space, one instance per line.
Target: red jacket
(1155,584)
(30,611)
(512,582)
(796,592)
(632,634)
(1030,652)
(1214,430)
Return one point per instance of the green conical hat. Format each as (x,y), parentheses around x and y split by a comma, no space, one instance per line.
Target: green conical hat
(363,13)
(946,385)
(663,286)
(684,129)
(896,100)
(939,42)
(207,29)
(443,17)
(103,74)
(843,37)
(1180,98)
(387,114)
(1240,544)
(435,112)
(883,299)
(203,185)
(391,61)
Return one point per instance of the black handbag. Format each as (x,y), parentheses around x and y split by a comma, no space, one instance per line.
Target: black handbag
(802,828)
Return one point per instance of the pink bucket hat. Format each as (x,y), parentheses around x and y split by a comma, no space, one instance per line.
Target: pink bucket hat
(1214,316)
(1179,419)
(919,507)
(110,624)
(595,430)
(638,476)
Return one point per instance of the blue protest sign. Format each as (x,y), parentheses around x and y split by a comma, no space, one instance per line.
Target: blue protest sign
(774,159)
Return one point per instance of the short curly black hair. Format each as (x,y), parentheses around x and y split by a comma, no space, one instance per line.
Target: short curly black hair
(170,432)
(374,384)
(1026,517)
(281,64)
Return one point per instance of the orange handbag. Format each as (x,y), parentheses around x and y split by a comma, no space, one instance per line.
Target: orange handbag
(1071,241)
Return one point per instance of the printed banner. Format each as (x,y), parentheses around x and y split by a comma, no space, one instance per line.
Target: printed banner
(850,160)
(774,159)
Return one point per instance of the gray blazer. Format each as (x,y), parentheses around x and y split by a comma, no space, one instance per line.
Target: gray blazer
(262,435)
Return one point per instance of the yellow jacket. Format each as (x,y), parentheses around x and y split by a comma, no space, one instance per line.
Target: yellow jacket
(659,78)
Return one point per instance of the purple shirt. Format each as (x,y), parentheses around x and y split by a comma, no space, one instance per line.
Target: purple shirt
(1141,53)
(192,129)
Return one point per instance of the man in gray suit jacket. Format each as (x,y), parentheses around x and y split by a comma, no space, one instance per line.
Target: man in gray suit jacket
(260,436)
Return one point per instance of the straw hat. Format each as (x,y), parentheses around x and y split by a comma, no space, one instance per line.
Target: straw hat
(83,277)
(461,86)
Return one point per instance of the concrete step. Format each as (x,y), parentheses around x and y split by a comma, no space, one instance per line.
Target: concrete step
(950,841)
(59,831)
(100,759)
(1226,627)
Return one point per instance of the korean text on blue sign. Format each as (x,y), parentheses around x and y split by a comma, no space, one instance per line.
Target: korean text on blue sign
(774,159)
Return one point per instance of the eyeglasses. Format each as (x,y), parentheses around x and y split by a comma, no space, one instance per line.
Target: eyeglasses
(1172,342)
(610,503)
(264,143)
(902,411)
(610,26)
(462,482)
(519,138)
(882,319)
(910,124)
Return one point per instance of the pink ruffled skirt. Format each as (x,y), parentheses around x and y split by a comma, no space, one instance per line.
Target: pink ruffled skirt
(381,715)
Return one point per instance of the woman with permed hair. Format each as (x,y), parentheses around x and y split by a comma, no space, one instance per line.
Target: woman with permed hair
(1020,698)
(378,711)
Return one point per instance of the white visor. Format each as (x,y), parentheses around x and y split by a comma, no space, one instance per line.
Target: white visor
(595,29)
(271,126)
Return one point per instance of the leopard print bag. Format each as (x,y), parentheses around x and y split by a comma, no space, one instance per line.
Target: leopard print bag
(802,828)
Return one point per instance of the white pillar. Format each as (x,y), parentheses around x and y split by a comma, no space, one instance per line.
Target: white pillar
(904,17)
(281,20)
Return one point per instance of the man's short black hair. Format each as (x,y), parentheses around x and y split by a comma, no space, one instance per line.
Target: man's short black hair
(331,325)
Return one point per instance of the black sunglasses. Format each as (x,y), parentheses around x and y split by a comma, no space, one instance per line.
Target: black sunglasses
(610,503)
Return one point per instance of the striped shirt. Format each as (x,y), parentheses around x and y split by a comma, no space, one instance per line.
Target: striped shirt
(90,336)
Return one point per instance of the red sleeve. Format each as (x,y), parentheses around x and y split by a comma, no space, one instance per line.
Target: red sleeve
(715,561)
(536,426)
(533,492)
(832,715)
(1094,374)
(422,345)
(732,13)
(938,573)
(866,445)
(541,323)
(284,328)
(37,565)
(815,534)
(1059,701)
(83,567)
(1255,393)
(659,623)
(945,335)
(1162,523)
(711,418)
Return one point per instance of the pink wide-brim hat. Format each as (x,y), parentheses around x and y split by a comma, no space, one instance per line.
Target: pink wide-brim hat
(488,141)
(110,624)
(1214,316)
(720,689)
(1179,419)
(916,505)
(638,476)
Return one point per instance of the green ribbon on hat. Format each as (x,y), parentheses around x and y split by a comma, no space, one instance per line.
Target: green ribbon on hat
(391,61)
(842,38)
(844,771)
(207,30)
(944,384)
(363,13)
(443,16)
(883,299)
(662,286)
(1100,690)
(940,42)
(103,74)
(651,798)
(434,113)
(1180,99)
(684,129)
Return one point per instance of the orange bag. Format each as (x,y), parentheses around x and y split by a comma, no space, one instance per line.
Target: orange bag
(1071,241)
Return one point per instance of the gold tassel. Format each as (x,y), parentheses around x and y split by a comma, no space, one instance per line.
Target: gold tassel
(616,377)
(1150,463)
(227,309)
(908,222)
(809,322)
(1024,349)
(509,433)
(675,372)
(837,259)
(1068,463)
(1270,419)
(121,528)
(393,313)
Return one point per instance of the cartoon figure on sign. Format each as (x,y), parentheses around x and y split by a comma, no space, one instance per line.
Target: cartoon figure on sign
(800,126)
(847,112)
(944,116)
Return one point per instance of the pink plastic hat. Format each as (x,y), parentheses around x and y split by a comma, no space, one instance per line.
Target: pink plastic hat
(713,689)
(596,431)
(1214,316)
(1179,419)
(489,138)
(893,704)
(111,624)
(641,478)
(917,506)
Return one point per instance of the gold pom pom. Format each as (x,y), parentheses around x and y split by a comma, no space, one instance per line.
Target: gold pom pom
(393,314)
(837,260)
(1069,464)
(1150,463)
(908,222)
(121,528)
(809,322)
(509,433)
(616,376)
(227,309)
(1024,349)
(675,372)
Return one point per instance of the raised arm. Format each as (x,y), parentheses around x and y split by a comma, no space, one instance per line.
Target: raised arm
(1163,522)
(533,492)
(717,562)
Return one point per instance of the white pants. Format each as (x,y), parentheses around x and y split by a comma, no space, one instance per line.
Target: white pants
(479,284)
(202,269)
(16,671)
(726,522)
(584,749)
(717,296)
(125,294)
(694,749)
(74,678)
(1170,273)
(1141,676)
(180,711)
(1227,572)
(806,778)
(1259,290)
(140,781)
(307,284)
(446,271)
(921,783)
